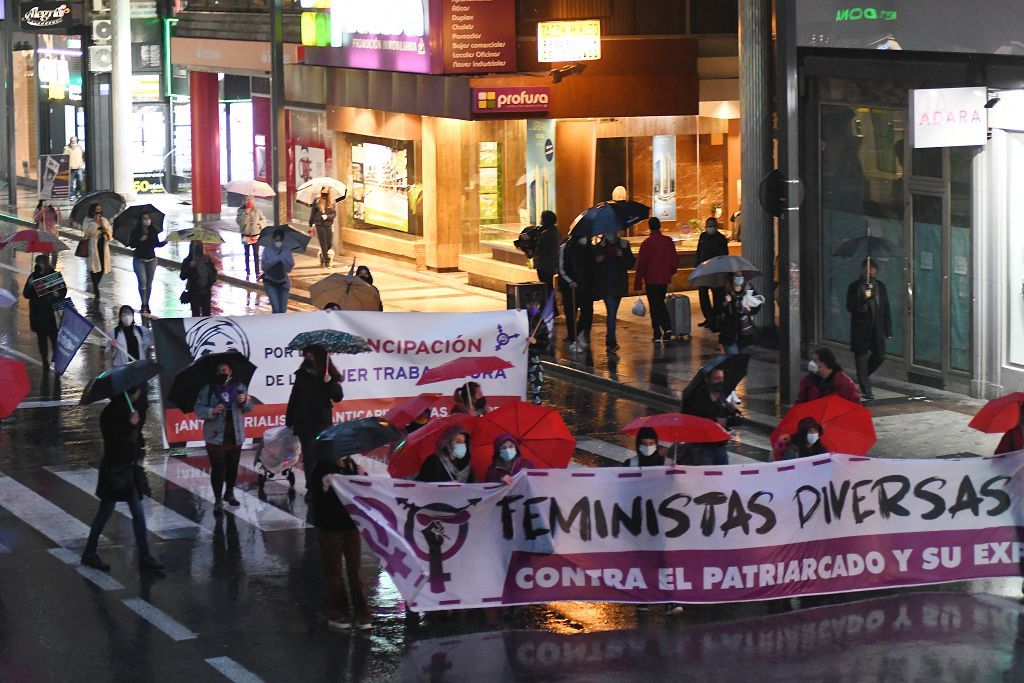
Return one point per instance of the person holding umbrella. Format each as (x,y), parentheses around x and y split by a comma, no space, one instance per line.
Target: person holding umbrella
(98,232)
(251,222)
(451,460)
(867,300)
(709,401)
(711,243)
(128,341)
(221,405)
(825,377)
(317,386)
(614,259)
(646,450)
(577,280)
(805,442)
(47,217)
(507,460)
(277,264)
(321,220)
(199,274)
(737,306)
(121,424)
(145,238)
(41,319)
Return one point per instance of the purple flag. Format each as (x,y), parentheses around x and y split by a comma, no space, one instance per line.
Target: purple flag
(73,331)
(547,314)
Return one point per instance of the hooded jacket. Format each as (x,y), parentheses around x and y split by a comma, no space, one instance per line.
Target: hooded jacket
(434,468)
(499,467)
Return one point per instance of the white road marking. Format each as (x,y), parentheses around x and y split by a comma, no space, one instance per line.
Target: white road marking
(159,619)
(252,510)
(160,520)
(604,449)
(53,404)
(41,514)
(101,579)
(233,671)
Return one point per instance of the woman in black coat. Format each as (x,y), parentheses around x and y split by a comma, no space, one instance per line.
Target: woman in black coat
(450,462)
(867,300)
(735,318)
(317,386)
(41,319)
(120,477)
(614,259)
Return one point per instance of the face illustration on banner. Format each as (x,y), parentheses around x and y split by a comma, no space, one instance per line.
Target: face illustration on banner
(216,335)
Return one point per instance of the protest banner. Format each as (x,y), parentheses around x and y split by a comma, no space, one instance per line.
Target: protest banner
(72,333)
(817,525)
(404,346)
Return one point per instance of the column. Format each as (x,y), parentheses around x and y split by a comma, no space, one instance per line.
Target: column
(203,90)
(442,196)
(756,134)
(121,99)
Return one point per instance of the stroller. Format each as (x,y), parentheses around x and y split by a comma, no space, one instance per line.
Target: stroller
(277,456)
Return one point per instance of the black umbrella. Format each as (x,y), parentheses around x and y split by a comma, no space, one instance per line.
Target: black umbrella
(118,380)
(293,239)
(359,436)
(734,367)
(190,381)
(867,246)
(128,219)
(630,212)
(112,204)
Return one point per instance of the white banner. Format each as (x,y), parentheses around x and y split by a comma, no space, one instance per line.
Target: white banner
(404,346)
(694,534)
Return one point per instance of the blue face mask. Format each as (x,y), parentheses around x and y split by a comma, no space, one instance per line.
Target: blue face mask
(739,280)
(508,453)
(459,451)
(812,438)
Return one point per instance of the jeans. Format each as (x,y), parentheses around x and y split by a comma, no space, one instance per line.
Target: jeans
(341,554)
(223,468)
(255,248)
(201,302)
(77,181)
(715,455)
(144,271)
(611,304)
(103,516)
(278,295)
(660,322)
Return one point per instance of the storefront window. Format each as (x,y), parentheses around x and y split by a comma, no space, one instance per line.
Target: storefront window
(148,137)
(500,197)
(861,189)
(181,144)
(960,255)
(309,152)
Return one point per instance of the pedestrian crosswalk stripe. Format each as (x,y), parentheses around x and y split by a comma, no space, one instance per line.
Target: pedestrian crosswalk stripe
(252,510)
(50,404)
(102,580)
(41,514)
(160,520)
(159,619)
(233,671)
(604,449)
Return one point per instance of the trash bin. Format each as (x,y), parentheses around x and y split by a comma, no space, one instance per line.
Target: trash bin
(518,294)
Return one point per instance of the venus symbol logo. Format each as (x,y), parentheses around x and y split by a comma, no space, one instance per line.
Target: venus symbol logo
(503,339)
(437,533)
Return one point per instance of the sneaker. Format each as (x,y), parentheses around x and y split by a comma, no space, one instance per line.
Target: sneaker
(575,347)
(583,342)
(150,564)
(232,501)
(364,625)
(93,560)
(674,610)
(657,340)
(667,337)
(867,396)
(339,624)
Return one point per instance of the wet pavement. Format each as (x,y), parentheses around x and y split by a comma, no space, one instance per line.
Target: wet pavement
(242,596)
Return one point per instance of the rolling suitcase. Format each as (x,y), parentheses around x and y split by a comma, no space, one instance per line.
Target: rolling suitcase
(679,315)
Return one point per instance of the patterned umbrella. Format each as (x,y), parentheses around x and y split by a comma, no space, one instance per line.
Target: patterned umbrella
(335,341)
(190,234)
(33,241)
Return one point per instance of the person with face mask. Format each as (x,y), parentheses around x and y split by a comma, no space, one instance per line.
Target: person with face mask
(47,218)
(469,399)
(507,460)
(277,266)
(709,401)
(825,377)
(199,274)
(577,282)
(128,341)
(98,232)
(614,258)
(250,222)
(316,388)
(364,274)
(710,244)
(145,239)
(450,461)
(736,314)
(41,318)
(646,450)
(806,441)
(221,405)
(321,221)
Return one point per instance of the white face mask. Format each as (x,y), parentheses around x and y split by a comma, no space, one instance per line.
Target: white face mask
(648,450)
(812,438)
(459,451)
(127,320)
(812,365)
(583,241)
(146,222)
(278,243)
(508,453)
(739,280)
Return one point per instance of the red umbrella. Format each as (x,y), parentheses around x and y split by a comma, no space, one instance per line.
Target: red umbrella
(401,415)
(679,428)
(999,415)
(544,439)
(35,241)
(846,426)
(409,456)
(463,367)
(14,380)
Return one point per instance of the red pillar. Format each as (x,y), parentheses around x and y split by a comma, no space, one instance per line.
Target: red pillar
(203,92)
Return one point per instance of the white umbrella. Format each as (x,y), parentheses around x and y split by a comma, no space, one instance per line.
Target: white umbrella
(250,188)
(309,191)
(7,299)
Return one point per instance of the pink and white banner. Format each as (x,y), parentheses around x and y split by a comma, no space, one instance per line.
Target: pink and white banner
(694,534)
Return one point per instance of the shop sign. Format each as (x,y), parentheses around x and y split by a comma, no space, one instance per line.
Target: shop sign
(479,37)
(949,117)
(511,100)
(45,15)
(227,55)
(569,41)
(1008,111)
(150,182)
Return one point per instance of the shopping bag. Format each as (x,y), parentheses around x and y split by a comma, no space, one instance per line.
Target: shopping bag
(82,249)
(639,309)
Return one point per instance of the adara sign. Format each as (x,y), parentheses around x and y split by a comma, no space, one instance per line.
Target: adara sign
(949,117)
(45,15)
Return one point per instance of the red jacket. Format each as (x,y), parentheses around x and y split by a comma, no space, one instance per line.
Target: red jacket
(838,383)
(657,261)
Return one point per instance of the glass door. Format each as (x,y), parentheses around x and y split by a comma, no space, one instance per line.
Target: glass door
(929,314)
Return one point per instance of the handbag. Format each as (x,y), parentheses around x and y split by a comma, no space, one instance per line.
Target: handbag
(186,297)
(82,249)
(639,309)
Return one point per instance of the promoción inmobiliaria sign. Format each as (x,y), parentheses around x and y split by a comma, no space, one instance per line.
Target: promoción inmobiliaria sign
(817,525)
(37,16)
